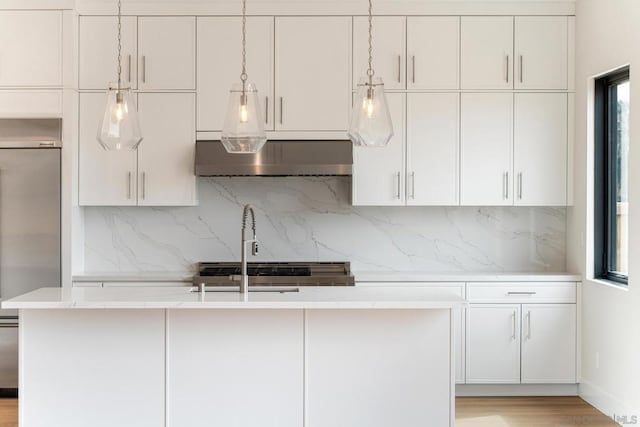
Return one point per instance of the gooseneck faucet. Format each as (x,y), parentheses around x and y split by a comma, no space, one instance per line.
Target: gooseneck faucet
(244,276)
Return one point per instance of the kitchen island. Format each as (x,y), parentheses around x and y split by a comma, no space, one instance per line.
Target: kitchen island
(347,356)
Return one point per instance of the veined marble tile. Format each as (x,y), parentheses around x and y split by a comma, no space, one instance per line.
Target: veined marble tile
(311,219)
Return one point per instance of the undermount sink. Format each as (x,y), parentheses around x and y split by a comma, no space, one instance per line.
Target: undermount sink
(236,289)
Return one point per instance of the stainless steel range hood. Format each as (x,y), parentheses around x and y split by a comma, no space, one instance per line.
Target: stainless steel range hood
(277,158)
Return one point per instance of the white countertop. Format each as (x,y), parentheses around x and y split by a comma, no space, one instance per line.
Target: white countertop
(182,298)
(361,276)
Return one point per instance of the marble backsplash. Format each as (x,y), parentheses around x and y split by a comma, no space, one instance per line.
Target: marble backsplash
(311,219)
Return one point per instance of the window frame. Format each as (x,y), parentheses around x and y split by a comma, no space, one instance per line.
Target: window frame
(605,195)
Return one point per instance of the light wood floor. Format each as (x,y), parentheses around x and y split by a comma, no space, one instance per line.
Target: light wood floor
(472,412)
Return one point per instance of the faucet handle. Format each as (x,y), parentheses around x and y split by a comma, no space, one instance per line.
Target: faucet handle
(254,248)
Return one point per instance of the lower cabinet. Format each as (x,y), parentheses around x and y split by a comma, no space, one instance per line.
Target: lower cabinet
(521,343)
(235,368)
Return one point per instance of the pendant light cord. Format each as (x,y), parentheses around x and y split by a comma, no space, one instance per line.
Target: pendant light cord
(119,44)
(243,76)
(370,71)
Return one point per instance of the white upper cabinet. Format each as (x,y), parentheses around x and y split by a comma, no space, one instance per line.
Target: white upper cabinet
(30,48)
(432,148)
(220,65)
(540,149)
(433,52)
(486,149)
(312,73)
(106,178)
(98,50)
(378,173)
(389,61)
(166,155)
(487,52)
(541,52)
(549,343)
(167,53)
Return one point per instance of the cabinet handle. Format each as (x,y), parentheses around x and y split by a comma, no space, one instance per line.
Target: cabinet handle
(413,69)
(413,185)
(144,185)
(520,186)
(266,110)
(521,293)
(505,185)
(144,69)
(129,186)
(529,324)
(507,69)
(521,69)
(399,68)
(129,68)
(513,325)
(281,109)
(397,176)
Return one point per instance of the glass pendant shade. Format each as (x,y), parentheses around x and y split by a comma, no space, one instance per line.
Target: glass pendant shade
(243,130)
(120,128)
(370,120)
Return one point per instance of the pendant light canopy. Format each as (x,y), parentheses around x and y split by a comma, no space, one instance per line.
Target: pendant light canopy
(120,128)
(370,120)
(243,130)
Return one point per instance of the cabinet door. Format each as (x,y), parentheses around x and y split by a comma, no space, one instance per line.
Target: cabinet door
(249,374)
(540,149)
(98,50)
(549,343)
(166,155)
(541,52)
(106,178)
(312,69)
(378,173)
(30,48)
(493,344)
(432,148)
(389,54)
(167,53)
(486,52)
(486,149)
(433,52)
(219,66)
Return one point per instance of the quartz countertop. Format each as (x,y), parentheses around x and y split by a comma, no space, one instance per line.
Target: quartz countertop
(184,298)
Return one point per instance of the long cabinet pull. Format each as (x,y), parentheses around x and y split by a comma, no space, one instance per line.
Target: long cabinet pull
(513,325)
(129,186)
(529,324)
(520,186)
(144,69)
(281,109)
(505,186)
(9,325)
(399,68)
(507,69)
(413,69)
(397,176)
(521,293)
(129,68)
(521,69)
(266,110)
(413,185)
(144,185)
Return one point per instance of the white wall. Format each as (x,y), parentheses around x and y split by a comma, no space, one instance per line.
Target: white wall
(311,219)
(607,37)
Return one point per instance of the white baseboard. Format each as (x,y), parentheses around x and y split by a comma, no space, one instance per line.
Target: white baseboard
(609,404)
(469,390)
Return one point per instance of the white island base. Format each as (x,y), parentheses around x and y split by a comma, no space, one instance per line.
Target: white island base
(167,357)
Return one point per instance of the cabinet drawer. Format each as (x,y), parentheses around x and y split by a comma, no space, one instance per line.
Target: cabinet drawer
(513,292)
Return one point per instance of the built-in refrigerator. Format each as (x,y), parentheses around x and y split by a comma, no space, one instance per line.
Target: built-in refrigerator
(30,162)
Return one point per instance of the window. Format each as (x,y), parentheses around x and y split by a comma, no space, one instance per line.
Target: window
(612,177)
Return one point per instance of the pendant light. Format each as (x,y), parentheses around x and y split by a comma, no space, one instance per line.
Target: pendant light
(120,128)
(370,120)
(243,130)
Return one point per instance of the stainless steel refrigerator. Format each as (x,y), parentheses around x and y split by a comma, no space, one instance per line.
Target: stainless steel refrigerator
(29,222)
